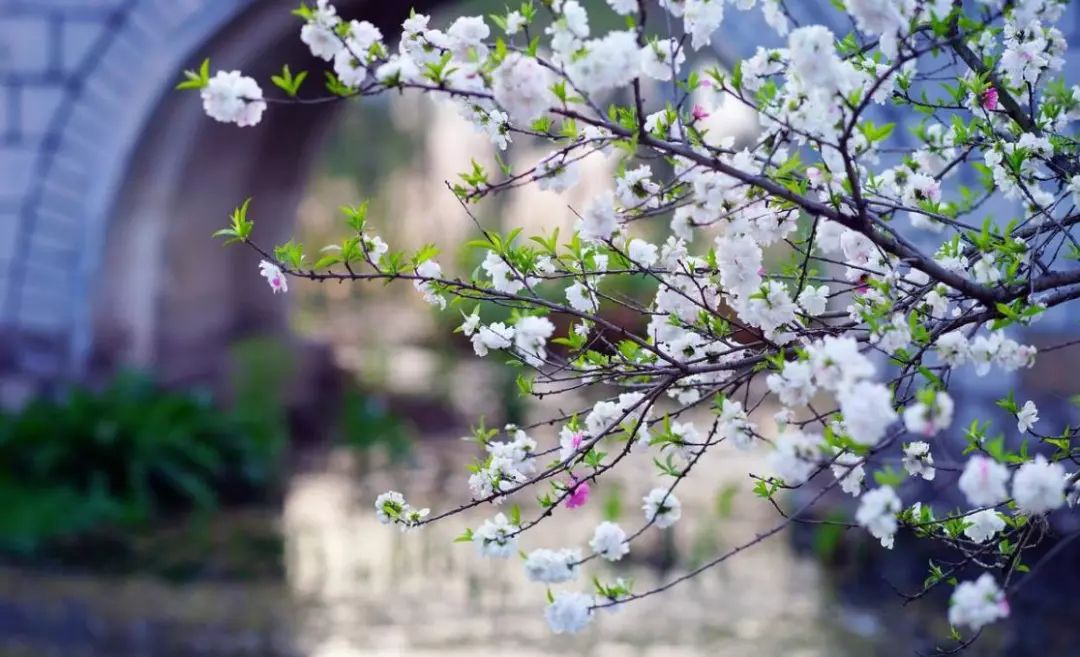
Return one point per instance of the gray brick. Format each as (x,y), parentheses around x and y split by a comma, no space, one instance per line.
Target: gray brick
(37,107)
(38,313)
(9,224)
(8,98)
(16,170)
(78,38)
(24,45)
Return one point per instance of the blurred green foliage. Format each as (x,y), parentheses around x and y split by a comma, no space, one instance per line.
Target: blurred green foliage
(95,462)
(367,424)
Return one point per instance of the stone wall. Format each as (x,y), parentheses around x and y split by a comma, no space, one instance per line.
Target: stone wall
(111,183)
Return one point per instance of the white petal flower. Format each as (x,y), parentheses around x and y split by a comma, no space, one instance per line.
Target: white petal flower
(274,276)
(492,336)
(231,97)
(929,419)
(522,87)
(983,481)
(977,603)
(552,566)
(848,468)
(569,612)
(983,525)
(1027,417)
(609,541)
(642,253)
(389,506)
(662,508)
(1039,486)
(496,537)
(530,338)
(429,269)
(813,300)
(623,7)
(657,59)
(599,221)
(877,513)
(868,411)
(918,461)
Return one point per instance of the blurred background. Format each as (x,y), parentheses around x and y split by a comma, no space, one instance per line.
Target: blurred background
(187,462)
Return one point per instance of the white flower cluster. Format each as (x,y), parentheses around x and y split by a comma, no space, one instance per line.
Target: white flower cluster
(855,281)
(978,603)
(231,97)
(391,508)
(508,466)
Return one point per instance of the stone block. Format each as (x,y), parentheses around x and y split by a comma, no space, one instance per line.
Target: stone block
(25,45)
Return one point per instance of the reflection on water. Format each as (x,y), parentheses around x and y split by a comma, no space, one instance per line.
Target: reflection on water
(353,587)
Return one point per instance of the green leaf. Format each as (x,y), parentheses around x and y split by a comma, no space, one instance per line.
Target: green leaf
(240,226)
(287,82)
(196,79)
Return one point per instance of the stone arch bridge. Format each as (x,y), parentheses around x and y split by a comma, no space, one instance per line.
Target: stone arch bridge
(110,183)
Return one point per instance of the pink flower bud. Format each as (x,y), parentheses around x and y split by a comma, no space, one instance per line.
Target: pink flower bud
(990,99)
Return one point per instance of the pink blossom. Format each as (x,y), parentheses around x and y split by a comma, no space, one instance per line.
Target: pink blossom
(579,495)
(699,113)
(990,99)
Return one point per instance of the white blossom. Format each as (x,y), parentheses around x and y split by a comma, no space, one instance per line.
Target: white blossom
(569,612)
(318,33)
(642,253)
(868,411)
(848,468)
(521,86)
(794,384)
(877,513)
(978,603)
(1039,486)
(492,336)
(557,172)
(1027,417)
(930,419)
(530,338)
(606,63)
(496,537)
(733,424)
(983,481)
(581,298)
(795,455)
(660,58)
(274,276)
(623,7)
(514,22)
(662,508)
(918,461)
(231,97)
(389,506)
(813,300)
(609,541)
(552,566)
(429,269)
(983,525)
(599,221)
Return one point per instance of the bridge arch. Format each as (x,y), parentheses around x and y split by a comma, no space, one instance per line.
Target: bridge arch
(110,183)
